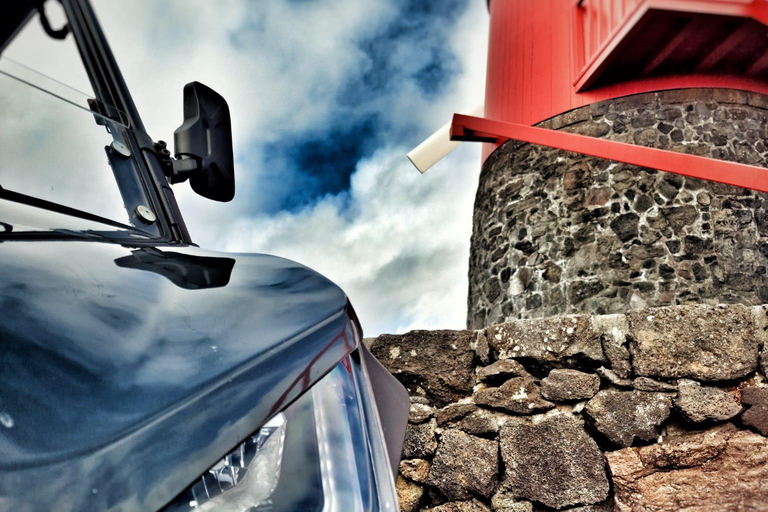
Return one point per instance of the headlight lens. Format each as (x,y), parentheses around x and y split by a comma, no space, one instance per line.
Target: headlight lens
(323,453)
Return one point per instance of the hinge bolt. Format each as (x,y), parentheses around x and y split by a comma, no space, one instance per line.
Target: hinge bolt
(145,214)
(120,148)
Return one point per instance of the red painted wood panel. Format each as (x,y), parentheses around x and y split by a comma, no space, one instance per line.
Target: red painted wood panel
(542,53)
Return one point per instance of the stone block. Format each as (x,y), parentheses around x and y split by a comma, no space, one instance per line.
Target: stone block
(699,342)
(622,416)
(552,460)
(712,471)
(699,403)
(464,466)
(565,340)
(563,385)
(519,395)
(439,362)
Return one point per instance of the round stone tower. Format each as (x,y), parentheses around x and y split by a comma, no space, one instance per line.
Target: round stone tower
(558,232)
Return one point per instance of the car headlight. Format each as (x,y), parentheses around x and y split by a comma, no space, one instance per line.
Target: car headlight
(325,452)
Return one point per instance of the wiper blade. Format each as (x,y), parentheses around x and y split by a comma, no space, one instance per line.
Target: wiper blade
(36,202)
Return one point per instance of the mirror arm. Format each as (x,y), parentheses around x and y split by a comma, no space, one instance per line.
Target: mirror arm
(177,170)
(182,169)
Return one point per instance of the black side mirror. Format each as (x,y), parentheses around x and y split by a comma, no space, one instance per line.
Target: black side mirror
(203,144)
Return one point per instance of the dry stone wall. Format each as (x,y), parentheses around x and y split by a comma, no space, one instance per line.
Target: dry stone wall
(558,232)
(659,409)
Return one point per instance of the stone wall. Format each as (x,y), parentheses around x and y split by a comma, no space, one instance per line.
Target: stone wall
(557,232)
(657,409)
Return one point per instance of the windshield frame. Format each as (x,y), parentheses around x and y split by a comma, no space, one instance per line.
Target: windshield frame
(140,179)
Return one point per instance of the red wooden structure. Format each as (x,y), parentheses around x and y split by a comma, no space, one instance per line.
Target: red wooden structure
(546,57)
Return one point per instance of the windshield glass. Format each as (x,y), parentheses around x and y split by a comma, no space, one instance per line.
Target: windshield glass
(53,144)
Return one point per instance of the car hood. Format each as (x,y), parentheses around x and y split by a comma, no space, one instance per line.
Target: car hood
(126,372)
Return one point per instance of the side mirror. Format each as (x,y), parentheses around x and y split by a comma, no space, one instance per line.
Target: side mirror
(203,144)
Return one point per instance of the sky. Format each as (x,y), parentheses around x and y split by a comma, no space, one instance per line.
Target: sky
(327,97)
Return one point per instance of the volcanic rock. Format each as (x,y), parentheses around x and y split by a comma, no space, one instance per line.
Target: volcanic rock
(464,465)
(757,414)
(440,362)
(460,506)
(500,371)
(621,416)
(519,395)
(701,403)
(699,342)
(551,459)
(415,469)
(562,385)
(565,340)
(420,413)
(504,502)
(408,494)
(453,412)
(420,440)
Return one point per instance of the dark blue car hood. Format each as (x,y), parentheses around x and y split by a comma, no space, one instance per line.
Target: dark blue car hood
(126,372)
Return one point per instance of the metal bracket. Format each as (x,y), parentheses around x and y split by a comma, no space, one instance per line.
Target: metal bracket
(478,129)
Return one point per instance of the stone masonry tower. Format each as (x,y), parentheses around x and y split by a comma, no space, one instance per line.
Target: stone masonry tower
(616,356)
(559,232)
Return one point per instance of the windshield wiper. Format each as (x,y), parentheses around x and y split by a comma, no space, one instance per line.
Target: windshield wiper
(36,202)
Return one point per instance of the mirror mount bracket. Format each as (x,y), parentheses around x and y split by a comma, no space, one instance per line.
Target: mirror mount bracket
(182,169)
(177,170)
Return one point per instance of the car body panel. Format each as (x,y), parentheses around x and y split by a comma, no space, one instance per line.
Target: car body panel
(126,372)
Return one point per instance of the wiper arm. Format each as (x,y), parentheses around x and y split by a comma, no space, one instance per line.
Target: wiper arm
(36,202)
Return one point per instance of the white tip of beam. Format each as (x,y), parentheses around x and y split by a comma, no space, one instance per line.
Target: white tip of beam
(438,145)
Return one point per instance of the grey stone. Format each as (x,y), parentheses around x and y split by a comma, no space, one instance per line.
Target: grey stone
(701,403)
(519,395)
(622,416)
(460,506)
(454,412)
(625,226)
(420,440)
(613,330)
(610,376)
(562,385)
(420,413)
(699,342)
(647,384)
(764,362)
(440,362)
(504,502)
(757,414)
(565,340)
(500,371)
(464,465)
(482,349)
(416,470)
(479,422)
(408,494)
(551,459)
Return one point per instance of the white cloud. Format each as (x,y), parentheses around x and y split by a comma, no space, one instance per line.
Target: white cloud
(397,242)
(399,249)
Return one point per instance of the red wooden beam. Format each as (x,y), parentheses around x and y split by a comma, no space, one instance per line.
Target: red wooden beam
(468,128)
(758,66)
(723,48)
(693,27)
